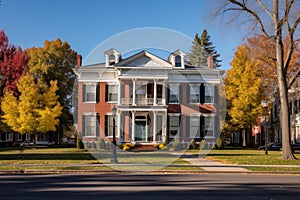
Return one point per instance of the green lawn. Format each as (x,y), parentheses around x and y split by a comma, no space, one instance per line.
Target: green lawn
(251,157)
(55,158)
(72,159)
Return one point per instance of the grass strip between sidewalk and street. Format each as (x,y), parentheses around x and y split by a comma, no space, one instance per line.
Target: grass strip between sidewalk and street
(255,157)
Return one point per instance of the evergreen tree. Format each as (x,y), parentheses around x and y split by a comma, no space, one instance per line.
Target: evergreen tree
(201,49)
(208,46)
(198,55)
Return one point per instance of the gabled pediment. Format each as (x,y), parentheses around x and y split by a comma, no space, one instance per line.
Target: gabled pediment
(144,59)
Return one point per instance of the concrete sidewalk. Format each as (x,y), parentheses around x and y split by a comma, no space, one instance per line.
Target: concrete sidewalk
(209,165)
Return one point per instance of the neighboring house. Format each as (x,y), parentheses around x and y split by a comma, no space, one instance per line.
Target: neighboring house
(294,111)
(156,99)
(294,107)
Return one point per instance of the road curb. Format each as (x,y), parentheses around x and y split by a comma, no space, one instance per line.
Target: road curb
(72,172)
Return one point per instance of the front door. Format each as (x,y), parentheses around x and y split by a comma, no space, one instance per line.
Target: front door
(140,129)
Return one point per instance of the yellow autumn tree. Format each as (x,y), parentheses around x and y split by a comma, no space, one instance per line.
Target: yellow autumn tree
(36,110)
(243,84)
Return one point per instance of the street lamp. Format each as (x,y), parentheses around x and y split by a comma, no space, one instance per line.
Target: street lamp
(114,152)
(265,105)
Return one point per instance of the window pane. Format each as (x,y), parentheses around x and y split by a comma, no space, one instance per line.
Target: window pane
(90,92)
(174,93)
(194,126)
(90,125)
(195,94)
(112,92)
(209,93)
(173,126)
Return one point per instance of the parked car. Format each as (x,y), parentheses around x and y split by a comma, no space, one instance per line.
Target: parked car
(277,146)
(26,143)
(67,141)
(43,143)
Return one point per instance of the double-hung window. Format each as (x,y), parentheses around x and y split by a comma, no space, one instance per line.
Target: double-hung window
(109,126)
(89,92)
(194,93)
(209,125)
(111,93)
(90,124)
(209,93)
(174,93)
(174,125)
(194,126)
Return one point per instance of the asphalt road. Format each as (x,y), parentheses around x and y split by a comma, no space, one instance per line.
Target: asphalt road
(150,186)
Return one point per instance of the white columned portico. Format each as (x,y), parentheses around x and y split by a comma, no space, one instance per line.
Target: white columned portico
(154,126)
(155,92)
(119,127)
(119,93)
(133,91)
(164,127)
(164,92)
(133,125)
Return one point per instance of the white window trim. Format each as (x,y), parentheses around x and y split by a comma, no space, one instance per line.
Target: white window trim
(195,115)
(173,85)
(178,133)
(209,89)
(197,85)
(93,84)
(116,125)
(116,85)
(95,115)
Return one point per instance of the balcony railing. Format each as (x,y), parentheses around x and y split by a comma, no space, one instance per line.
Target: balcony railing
(143,101)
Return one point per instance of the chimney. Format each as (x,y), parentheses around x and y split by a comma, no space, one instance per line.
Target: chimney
(210,62)
(79,61)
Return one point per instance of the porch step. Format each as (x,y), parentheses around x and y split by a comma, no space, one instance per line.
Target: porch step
(144,147)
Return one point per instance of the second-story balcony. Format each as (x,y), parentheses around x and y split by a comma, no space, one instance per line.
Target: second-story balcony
(143,101)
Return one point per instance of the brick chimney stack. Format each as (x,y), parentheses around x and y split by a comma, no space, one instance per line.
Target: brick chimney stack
(210,62)
(79,61)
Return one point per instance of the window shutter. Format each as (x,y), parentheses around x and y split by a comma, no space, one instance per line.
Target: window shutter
(188,126)
(180,96)
(202,127)
(216,95)
(168,94)
(98,93)
(188,92)
(106,125)
(97,125)
(202,93)
(83,93)
(83,125)
(106,93)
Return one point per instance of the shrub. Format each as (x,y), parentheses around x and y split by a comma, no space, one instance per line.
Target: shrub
(126,148)
(193,145)
(161,146)
(101,143)
(202,144)
(219,143)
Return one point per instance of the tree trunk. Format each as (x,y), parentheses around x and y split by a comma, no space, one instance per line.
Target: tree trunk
(287,153)
(34,139)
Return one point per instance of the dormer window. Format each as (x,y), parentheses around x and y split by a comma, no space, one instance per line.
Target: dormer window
(178,61)
(112,59)
(176,58)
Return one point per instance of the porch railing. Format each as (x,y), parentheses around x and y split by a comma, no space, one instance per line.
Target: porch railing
(143,101)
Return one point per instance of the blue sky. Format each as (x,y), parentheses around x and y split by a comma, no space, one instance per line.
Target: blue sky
(85,24)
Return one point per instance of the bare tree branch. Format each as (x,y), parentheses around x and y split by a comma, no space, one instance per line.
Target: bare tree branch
(288,5)
(244,7)
(265,8)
